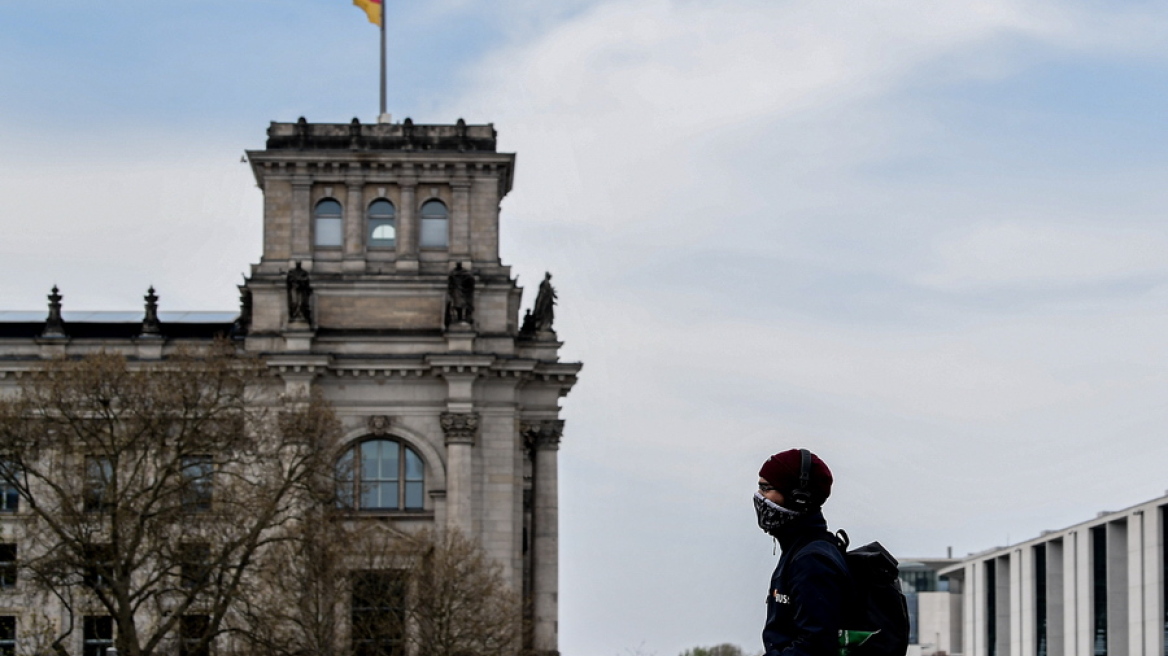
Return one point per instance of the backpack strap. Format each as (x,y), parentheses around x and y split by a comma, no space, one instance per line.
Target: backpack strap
(841,536)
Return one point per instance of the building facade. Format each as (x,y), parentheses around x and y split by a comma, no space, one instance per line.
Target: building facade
(380,287)
(934,611)
(1097,588)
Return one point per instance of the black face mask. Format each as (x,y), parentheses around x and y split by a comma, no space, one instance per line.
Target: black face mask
(772,516)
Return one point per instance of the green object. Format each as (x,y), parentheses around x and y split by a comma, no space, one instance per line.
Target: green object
(849,639)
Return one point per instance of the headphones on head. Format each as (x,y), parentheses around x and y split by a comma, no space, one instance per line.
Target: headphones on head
(801,497)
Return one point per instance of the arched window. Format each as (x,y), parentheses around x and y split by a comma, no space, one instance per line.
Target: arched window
(382,231)
(381,475)
(328,223)
(435,220)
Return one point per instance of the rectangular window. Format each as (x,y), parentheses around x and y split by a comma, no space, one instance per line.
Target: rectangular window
(99,475)
(991,609)
(7,565)
(197,473)
(99,565)
(378,613)
(194,564)
(193,639)
(1040,600)
(1099,588)
(7,635)
(9,493)
(97,634)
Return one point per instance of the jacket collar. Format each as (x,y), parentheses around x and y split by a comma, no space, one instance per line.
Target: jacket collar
(810,524)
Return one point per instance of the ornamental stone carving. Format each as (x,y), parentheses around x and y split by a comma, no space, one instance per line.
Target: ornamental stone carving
(460,427)
(542,434)
(150,324)
(460,297)
(54,326)
(299,295)
(379,424)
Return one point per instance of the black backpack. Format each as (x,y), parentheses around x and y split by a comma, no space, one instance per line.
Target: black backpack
(879,607)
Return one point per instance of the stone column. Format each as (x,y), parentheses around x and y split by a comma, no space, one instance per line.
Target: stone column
(302,220)
(460,428)
(407,226)
(354,253)
(543,439)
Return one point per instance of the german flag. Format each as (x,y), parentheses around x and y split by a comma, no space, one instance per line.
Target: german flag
(372,9)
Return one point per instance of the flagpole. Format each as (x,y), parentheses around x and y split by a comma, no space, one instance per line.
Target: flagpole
(382,116)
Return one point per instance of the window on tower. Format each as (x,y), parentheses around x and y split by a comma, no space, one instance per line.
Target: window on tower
(382,229)
(329,226)
(435,225)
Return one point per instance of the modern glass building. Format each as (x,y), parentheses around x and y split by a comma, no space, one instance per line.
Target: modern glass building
(1097,588)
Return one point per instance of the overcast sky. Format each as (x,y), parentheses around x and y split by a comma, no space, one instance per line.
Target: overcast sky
(924,239)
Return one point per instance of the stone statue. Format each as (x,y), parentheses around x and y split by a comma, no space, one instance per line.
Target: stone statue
(54,325)
(243,323)
(460,296)
(544,312)
(150,324)
(299,296)
(528,327)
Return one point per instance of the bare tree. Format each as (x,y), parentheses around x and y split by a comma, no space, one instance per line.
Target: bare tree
(151,491)
(460,603)
(427,593)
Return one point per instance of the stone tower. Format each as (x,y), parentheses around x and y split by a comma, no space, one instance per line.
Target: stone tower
(381,287)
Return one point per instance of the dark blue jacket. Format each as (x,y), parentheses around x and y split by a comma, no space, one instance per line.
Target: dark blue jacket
(809,592)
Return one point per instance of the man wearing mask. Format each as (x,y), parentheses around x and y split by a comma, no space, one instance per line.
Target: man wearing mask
(809,590)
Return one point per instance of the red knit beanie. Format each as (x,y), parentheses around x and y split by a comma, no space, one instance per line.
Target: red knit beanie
(782,471)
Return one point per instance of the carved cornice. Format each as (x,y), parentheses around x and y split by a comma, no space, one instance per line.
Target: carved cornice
(542,434)
(460,427)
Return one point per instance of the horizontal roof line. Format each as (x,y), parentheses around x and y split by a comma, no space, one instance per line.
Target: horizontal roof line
(81,316)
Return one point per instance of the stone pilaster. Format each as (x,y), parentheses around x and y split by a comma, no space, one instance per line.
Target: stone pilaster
(407,226)
(461,429)
(354,253)
(460,216)
(302,219)
(542,438)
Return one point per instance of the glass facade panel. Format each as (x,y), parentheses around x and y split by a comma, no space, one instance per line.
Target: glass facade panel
(1099,589)
(1040,600)
(1164,572)
(991,597)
